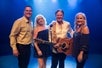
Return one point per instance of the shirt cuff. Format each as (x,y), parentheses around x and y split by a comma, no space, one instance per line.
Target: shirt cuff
(14,48)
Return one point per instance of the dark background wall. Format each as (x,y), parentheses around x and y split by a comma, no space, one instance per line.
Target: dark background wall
(10,10)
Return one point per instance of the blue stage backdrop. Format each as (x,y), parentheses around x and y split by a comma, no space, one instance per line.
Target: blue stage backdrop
(10,10)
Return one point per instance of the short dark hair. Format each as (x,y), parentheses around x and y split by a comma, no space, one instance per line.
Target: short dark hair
(59,10)
(28,6)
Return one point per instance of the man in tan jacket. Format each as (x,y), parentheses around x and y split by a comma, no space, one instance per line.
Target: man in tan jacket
(21,38)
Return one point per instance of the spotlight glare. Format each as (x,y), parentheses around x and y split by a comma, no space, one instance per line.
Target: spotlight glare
(72,3)
(54,1)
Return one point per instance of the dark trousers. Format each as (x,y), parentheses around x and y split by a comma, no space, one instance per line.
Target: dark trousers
(58,58)
(24,55)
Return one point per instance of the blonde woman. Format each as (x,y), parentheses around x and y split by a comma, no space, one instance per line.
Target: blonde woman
(80,39)
(42,51)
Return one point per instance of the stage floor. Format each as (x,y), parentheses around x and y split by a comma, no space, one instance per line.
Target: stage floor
(9,61)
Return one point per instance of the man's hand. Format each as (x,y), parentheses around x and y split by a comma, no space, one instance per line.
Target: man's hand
(56,45)
(15,52)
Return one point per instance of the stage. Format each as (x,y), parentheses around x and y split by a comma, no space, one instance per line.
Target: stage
(10,61)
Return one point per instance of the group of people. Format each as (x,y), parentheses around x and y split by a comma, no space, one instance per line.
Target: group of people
(23,35)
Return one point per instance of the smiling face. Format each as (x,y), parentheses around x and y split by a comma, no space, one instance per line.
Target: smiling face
(40,20)
(28,12)
(80,19)
(59,16)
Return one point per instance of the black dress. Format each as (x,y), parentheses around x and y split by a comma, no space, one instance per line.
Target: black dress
(45,48)
(80,43)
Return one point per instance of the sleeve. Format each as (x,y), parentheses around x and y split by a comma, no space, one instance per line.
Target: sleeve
(13,35)
(70,31)
(52,31)
(84,42)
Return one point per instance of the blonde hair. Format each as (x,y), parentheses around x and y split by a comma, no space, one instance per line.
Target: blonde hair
(36,19)
(84,16)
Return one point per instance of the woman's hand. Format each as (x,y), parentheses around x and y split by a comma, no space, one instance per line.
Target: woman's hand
(39,52)
(80,57)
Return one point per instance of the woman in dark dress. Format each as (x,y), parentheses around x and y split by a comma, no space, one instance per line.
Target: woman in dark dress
(42,50)
(80,40)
